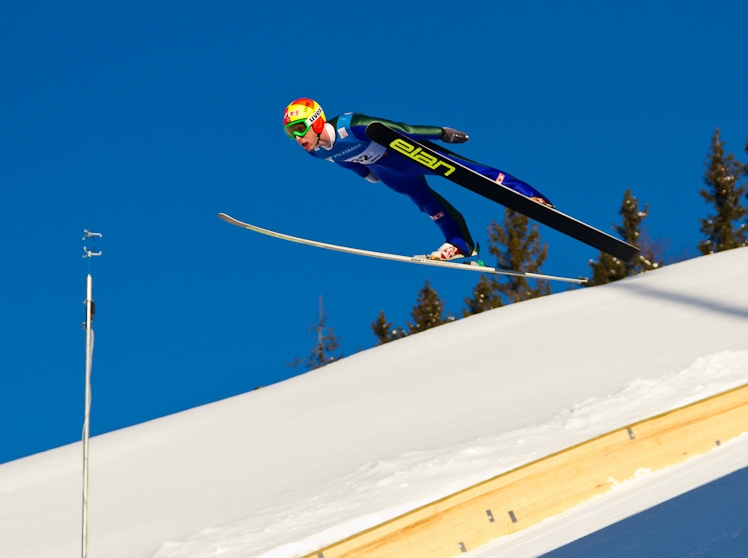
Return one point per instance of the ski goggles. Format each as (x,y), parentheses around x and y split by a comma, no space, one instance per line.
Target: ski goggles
(298,128)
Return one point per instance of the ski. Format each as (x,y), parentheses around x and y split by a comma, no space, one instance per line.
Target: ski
(468,265)
(427,154)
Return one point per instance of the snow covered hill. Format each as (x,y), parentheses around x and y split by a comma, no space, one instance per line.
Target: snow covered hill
(285,470)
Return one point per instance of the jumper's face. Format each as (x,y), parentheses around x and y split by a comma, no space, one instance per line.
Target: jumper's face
(309,140)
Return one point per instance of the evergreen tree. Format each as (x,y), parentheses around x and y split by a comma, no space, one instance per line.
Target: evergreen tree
(384,331)
(485,296)
(428,311)
(516,246)
(724,188)
(608,269)
(327,343)
(605,270)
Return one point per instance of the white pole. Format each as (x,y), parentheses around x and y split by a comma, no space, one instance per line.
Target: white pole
(86,421)
(87,412)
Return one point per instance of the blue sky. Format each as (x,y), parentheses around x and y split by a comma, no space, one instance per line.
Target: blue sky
(143,121)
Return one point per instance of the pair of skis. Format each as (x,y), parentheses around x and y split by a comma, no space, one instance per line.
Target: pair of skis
(427,155)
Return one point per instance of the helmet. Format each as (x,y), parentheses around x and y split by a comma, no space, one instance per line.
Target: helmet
(302,114)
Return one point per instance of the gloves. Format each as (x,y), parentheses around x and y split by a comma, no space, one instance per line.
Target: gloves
(450,135)
(371,177)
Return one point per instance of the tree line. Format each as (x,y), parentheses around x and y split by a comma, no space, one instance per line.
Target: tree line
(517,245)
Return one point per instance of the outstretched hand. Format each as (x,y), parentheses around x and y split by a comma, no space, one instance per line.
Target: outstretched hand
(450,135)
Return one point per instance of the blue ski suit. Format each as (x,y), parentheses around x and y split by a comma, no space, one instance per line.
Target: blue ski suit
(353,150)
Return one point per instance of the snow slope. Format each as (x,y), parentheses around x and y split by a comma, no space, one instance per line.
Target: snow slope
(285,470)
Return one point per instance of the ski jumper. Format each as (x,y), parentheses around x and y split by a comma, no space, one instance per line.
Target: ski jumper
(353,150)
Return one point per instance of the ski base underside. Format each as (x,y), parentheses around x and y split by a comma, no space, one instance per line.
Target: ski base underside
(467,265)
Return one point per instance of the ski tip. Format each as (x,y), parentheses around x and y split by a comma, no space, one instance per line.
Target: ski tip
(231,221)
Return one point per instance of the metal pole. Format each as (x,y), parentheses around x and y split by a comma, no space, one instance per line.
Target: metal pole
(87,412)
(89,360)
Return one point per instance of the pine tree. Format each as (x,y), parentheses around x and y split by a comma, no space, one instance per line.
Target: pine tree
(724,188)
(384,330)
(327,343)
(428,311)
(516,246)
(605,270)
(608,269)
(485,297)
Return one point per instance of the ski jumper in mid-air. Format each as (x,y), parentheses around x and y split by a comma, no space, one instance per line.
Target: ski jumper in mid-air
(343,140)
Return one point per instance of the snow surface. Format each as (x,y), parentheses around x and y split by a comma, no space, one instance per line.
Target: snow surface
(287,469)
